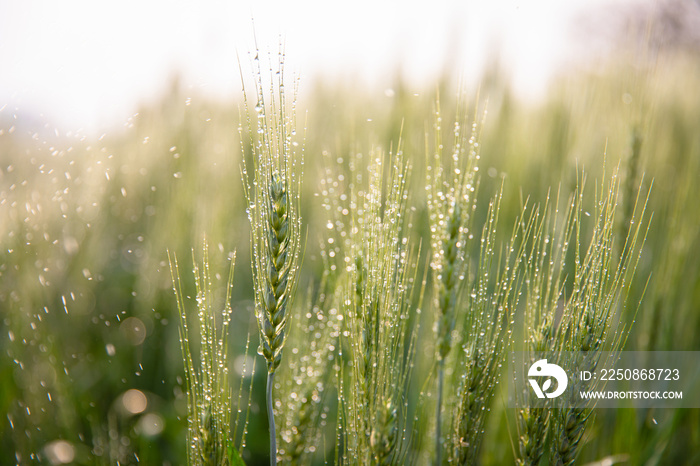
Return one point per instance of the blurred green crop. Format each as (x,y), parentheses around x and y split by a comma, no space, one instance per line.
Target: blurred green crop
(91,369)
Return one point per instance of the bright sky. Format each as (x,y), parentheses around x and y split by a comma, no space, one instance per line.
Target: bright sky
(87,63)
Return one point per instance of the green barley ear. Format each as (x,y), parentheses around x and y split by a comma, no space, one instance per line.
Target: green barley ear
(273,198)
(555,235)
(451,186)
(590,322)
(485,317)
(272,312)
(583,320)
(376,296)
(545,275)
(208,392)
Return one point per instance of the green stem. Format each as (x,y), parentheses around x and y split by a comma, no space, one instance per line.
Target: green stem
(438,412)
(271,420)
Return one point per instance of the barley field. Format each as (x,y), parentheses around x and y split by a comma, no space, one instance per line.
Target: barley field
(354,265)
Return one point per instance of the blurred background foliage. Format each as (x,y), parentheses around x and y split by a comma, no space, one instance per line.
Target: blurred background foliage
(91,370)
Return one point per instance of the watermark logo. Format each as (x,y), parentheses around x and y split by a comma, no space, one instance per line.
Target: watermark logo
(542,368)
(605,379)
